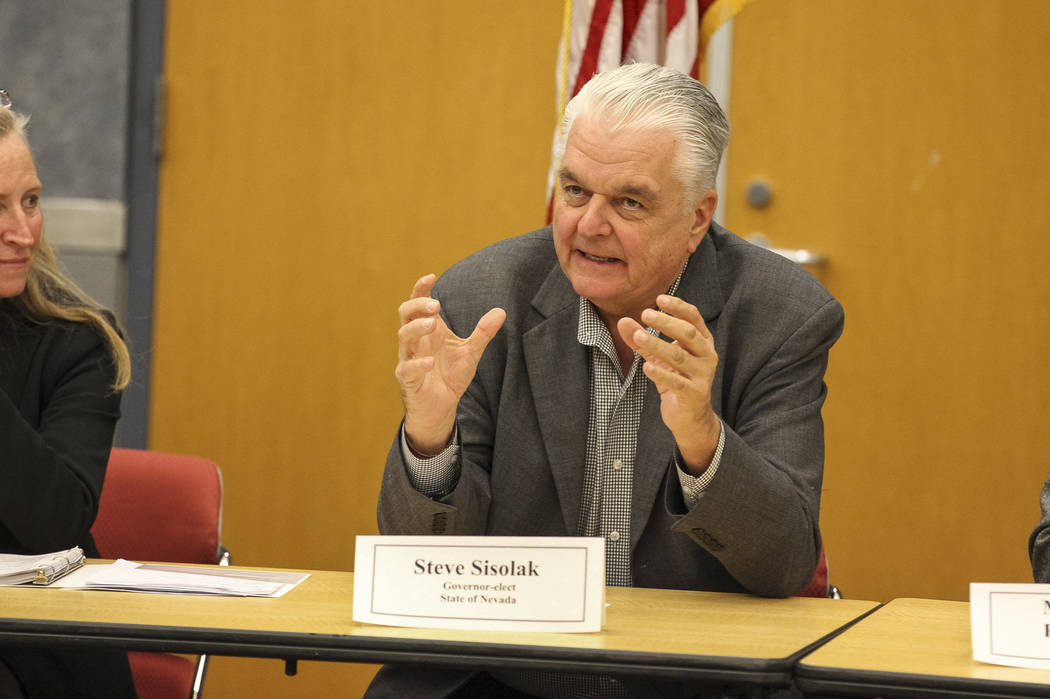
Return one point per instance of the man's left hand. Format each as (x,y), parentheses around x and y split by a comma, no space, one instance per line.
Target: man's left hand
(682,371)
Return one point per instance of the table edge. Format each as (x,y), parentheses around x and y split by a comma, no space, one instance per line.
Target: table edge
(828,679)
(379,649)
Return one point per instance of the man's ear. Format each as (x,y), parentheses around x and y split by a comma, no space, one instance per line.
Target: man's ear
(704,210)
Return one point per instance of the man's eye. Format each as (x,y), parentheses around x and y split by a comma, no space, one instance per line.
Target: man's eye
(32,201)
(632,204)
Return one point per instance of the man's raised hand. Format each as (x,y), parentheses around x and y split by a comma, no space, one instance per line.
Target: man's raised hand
(683,370)
(435,366)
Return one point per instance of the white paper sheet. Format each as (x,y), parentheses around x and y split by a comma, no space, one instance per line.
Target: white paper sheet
(128,576)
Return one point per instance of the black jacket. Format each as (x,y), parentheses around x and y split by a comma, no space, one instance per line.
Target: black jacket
(57,416)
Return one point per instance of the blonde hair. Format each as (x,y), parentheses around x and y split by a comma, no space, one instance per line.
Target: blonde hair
(51,294)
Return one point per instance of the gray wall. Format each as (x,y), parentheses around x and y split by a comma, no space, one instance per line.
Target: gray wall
(65,63)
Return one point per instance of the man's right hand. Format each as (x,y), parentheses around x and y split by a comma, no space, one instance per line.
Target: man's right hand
(435,366)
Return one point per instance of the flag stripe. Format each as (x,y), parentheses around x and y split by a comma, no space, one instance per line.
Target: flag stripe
(632,12)
(647,42)
(675,12)
(589,60)
(683,41)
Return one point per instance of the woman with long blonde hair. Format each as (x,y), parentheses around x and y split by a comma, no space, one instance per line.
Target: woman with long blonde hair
(63,364)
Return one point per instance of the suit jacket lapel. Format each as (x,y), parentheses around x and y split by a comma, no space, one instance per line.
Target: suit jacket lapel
(560,381)
(656,446)
(559,376)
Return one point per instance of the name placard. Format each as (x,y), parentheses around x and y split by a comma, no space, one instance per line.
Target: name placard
(1010,624)
(497,583)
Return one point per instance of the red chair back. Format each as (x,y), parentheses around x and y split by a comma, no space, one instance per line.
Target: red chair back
(159,507)
(819,586)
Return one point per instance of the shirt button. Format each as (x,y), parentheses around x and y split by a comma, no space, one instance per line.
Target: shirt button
(617,464)
(614,536)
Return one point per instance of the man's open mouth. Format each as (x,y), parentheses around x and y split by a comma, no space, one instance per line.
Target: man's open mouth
(599,258)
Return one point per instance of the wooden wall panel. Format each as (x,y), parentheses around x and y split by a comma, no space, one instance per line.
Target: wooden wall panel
(319,157)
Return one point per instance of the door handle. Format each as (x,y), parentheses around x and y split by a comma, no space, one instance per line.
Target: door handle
(800,256)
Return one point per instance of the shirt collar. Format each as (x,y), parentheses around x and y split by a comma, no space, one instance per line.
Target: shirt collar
(592,332)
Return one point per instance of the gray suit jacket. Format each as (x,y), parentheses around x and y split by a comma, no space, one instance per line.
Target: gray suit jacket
(523,421)
(1039,542)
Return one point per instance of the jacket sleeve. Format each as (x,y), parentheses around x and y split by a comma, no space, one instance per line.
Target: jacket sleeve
(1039,542)
(759,516)
(464,511)
(404,510)
(55,461)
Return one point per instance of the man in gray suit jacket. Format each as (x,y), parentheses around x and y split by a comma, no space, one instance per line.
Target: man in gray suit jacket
(634,372)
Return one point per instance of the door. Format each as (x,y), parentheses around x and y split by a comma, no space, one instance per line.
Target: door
(907,140)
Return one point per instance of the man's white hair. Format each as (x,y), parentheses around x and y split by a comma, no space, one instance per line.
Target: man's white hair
(642,97)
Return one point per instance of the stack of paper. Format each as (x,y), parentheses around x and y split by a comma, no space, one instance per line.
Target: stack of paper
(43,569)
(127,576)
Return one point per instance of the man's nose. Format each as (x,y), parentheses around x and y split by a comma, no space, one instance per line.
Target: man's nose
(595,219)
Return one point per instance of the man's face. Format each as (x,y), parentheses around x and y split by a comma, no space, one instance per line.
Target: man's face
(20,217)
(622,225)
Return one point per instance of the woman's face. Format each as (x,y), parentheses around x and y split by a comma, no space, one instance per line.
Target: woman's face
(20,218)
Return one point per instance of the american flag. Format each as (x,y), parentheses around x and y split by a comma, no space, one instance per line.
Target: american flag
(601,34)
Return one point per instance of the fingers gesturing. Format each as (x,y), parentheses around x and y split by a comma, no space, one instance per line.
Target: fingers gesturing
(435,366)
